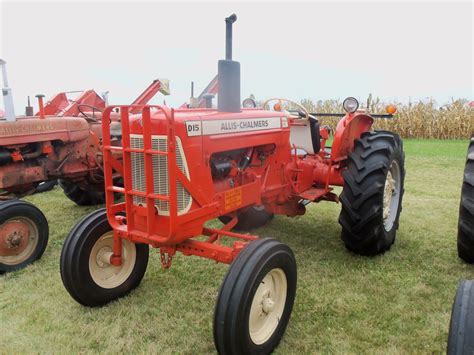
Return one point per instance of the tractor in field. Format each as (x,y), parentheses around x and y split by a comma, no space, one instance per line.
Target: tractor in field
(183,167)
(62,141)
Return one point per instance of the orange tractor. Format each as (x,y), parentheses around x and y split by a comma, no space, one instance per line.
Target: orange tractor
(62,141)
(183,167)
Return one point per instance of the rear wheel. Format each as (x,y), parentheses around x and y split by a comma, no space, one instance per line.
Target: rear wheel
(373,192)
(461,327)
(86,271)
(255,299)
(466,210)
(23,234)
(253,217)
(81,196)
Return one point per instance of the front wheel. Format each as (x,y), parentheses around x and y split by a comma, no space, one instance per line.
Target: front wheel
(255,299)
(373,192)
(23,235)
(86,271)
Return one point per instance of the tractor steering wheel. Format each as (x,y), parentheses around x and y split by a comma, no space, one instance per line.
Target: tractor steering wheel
(280,101)
(93,111)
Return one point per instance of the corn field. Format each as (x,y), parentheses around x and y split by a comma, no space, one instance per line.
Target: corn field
(413,120)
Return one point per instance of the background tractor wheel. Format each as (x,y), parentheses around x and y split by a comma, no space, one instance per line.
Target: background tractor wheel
(373,192)
(253,217)
(23,234)
(80,196)
(85,262)
(466,210)
(461,328)
(255,299)
(46,186)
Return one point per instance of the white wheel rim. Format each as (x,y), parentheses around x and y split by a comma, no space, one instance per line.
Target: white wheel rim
(102,271)
(391,195)
(268,305)
(33,239)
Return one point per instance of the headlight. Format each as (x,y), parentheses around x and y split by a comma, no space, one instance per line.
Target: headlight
(249,103)
(350,105)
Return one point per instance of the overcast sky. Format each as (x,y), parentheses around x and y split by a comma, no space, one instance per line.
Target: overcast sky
(321,50)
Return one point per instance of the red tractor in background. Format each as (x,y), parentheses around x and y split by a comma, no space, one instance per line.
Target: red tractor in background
(62,141)
(183,167)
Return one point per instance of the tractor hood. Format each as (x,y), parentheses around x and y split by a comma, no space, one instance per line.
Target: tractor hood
(32,130)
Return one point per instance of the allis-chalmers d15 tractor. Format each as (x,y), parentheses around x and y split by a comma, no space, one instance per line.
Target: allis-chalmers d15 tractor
(184,167)
(62,141)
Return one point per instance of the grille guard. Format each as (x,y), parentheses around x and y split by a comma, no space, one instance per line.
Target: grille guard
(174,230)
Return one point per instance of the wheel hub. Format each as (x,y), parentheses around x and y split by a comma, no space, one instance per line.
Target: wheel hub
(391,195)
(104,256)
(14,238)
(102,271)
(267,306)
(388,194)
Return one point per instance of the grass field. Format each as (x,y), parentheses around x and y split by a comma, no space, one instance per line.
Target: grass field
(399,302)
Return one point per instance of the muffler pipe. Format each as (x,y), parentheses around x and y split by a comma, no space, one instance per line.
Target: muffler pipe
(228,75)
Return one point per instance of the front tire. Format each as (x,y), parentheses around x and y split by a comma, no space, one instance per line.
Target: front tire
(466,210)
(373,192)
(24,234)
(255,299)
(85,268)
(461,327)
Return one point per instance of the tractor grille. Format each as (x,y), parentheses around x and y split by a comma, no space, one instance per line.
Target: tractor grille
(160,173)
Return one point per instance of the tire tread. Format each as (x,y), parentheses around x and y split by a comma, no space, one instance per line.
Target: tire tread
(466,210)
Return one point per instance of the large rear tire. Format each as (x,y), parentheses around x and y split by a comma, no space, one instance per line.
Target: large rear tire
(373,192)
(24,234)
(461,327)
(81,196)
(253,217)
(255,299)
(466,210)
(85,266)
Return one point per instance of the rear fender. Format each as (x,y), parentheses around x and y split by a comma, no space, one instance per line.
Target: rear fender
(348,130)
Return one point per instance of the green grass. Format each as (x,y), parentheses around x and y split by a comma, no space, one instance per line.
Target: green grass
(399,302)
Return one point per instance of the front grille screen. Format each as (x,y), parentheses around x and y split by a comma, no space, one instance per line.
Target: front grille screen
(160,173)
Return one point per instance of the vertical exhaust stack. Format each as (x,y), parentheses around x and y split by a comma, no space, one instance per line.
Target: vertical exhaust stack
(7,94)
(229,74)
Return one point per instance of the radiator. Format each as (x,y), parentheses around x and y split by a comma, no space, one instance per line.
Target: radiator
(160,173)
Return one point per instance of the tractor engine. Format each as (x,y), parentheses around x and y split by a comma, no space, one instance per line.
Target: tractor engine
(234,155)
